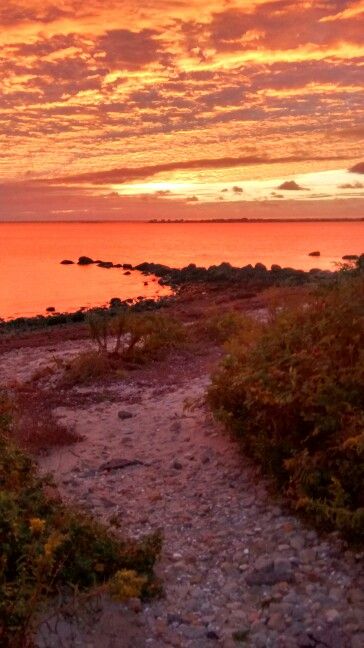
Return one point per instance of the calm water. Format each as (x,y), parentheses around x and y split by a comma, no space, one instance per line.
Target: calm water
(33,279)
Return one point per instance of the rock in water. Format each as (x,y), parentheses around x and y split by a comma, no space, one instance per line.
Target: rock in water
(85,260)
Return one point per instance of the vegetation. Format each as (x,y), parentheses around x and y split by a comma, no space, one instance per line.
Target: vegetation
(123,339)
(45,546)
(219,327)
(293,391)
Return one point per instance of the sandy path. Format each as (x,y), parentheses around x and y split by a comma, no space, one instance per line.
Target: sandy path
(233,561)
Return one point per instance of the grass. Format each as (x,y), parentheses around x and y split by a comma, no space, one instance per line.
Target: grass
(46,546)
(293,392)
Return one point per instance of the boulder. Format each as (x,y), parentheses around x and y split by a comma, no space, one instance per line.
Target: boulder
(127,266)
(105,264)
(84,260)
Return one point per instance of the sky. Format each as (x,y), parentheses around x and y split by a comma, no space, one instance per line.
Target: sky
(118,110)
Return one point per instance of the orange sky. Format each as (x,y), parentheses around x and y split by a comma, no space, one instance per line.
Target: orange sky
(181,108)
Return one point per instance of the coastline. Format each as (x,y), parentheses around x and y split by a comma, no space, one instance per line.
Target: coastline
(255,277)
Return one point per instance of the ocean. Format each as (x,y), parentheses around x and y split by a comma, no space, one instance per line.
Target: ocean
(32,278)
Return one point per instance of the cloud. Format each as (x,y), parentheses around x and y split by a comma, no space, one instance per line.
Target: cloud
(352,185)
(125,48)
(237,190)
(357,168)
(290,185)
(128,174)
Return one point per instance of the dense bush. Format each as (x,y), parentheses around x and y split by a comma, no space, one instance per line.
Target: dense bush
(45,545)
(294,393)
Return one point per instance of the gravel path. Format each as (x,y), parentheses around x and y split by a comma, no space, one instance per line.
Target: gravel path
(237,570)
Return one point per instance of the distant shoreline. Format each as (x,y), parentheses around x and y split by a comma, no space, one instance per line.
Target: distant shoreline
(154,221)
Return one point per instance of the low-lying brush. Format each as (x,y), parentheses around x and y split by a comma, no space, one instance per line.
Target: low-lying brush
(219,327)
(293,391)
(35,428)
(124,339)
(45,546)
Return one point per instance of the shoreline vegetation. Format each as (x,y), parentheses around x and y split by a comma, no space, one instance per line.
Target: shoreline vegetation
(284,353)
(257,277)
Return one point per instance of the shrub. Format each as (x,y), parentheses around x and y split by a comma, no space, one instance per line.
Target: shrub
(87,366)
(294,394)
(135,334)
(219,327)
(45,546)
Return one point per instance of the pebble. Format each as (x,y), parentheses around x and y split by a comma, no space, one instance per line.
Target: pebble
(236,569)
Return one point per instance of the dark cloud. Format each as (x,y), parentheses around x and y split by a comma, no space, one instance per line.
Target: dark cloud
(129,49)
(357,168)
(127,174)
(290,185)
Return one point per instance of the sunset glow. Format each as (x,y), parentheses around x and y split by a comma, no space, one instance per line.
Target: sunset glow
(176,109)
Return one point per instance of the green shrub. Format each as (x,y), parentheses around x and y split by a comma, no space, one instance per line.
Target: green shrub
(294,393)
(45,545)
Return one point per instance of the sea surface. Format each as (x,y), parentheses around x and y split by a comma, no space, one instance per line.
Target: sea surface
(32,279)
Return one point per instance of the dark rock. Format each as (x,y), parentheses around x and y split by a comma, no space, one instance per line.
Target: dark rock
(211,634)
(127,266)
(115,302)
(177,465)
(118,265)
(127,272)
(67,262)
(50,309)
(316,253)
(105,264)
(84,260)
(120,464)
(123,415)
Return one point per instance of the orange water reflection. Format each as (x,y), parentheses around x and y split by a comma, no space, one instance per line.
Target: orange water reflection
(33,279)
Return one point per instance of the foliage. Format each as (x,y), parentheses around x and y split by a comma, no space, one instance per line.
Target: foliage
(135,335)
(294,393)
(219,327)
(45,545)
(123,339)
